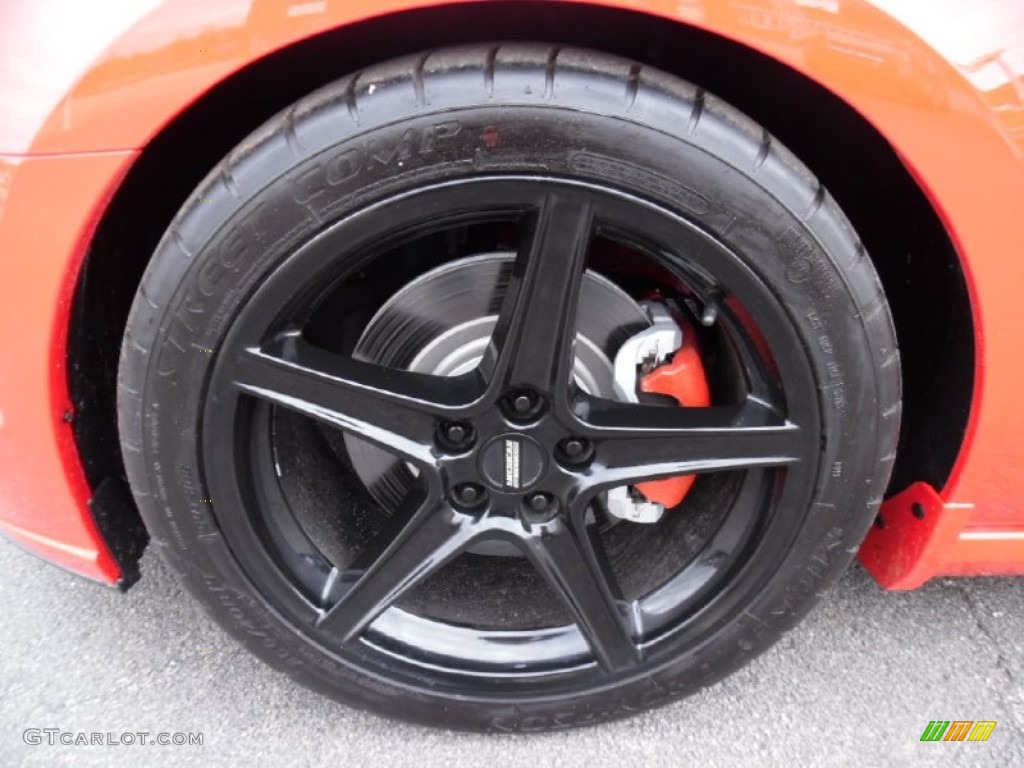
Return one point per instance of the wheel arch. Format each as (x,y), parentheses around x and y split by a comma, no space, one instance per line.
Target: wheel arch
(903,232)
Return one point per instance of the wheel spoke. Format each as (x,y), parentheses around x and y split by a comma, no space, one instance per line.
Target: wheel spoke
(420,538)
(394,409)
(572,560)
(751,350)
(537,325)
(635,443)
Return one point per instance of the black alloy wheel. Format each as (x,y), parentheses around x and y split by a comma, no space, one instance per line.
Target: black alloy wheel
(389,478)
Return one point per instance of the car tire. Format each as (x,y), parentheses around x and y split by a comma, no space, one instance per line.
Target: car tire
(577,120)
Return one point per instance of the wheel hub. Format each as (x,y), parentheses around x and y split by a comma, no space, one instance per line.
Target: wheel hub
(441,323)
(518,470)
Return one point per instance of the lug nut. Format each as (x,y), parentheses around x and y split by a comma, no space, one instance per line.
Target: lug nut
(456,434)
(539,508)
(538,502)
(575,450)
(522,404)
(469,495)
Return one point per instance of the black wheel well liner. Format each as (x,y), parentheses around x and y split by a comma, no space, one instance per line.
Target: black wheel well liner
(917,262)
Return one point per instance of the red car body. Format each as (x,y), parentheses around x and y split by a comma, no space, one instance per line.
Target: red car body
(86,90)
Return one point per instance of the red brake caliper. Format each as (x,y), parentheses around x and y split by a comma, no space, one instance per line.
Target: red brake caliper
(685,380)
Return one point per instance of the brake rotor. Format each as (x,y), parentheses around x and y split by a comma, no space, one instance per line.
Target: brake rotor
(441,323)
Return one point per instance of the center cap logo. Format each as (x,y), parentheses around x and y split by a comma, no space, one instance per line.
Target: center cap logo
(512,462)
(512,468)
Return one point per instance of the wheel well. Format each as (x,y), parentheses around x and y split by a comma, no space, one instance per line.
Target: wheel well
(914,256)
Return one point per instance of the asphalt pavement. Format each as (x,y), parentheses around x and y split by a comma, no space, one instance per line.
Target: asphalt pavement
(855,684)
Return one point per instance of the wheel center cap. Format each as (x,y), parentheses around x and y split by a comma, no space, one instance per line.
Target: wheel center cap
(512,462)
